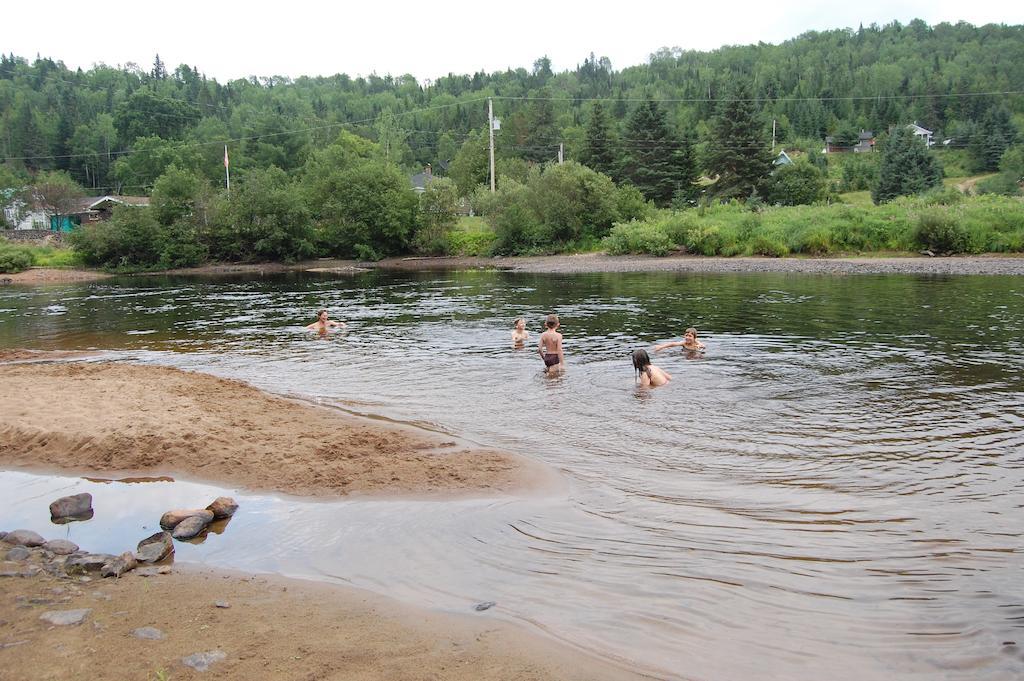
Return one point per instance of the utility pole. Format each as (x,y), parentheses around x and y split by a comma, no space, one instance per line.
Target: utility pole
(490,132)
(773,135)
(561,153)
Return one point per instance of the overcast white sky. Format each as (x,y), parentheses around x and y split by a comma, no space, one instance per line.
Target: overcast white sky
(227,39)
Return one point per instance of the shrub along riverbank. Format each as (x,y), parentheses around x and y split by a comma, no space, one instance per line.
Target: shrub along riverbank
(944,222)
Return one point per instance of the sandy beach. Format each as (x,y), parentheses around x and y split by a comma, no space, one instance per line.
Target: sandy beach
(129,419)
(267,628)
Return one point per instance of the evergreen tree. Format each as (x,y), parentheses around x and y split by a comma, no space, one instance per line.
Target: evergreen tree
(908,167)
(991,138)
(737,152)
(542,134)
(660,165)
(599,148)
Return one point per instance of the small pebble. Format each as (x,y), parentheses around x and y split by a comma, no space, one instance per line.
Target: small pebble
(222,604)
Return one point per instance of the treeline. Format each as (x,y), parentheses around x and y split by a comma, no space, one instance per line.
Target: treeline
(116,130)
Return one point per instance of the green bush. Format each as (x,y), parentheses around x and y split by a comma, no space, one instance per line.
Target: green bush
(939,231)
(470,243)
(637,238)
(766,245)
(14,259)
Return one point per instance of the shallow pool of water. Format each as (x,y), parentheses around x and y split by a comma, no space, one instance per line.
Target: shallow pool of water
(833,490)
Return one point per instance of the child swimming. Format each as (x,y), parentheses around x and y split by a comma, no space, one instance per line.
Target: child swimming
(689,342)
(519,332)
(550,345)
(649,375)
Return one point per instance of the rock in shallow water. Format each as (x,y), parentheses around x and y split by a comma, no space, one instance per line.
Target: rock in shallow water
(190,527)
(64,618)
(223,507)
(202,661)
(172,519)
(75,506)
(120,565)
(155,547)
(24,538)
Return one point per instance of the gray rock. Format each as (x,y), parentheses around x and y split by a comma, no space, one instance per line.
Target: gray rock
(155,547)
(90,562)
(148,634)
(16,570)
(24,538)
(202,661)
(486,605)
(64,618)
(171,519)
(120,565)
(75,506)
(192,526)
(222,604)
(18,553)
(2,535)
(223,507)
(60,547)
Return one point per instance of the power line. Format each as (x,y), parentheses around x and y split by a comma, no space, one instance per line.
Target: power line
(702,100)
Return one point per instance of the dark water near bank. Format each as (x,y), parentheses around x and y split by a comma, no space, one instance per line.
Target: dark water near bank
(835,490)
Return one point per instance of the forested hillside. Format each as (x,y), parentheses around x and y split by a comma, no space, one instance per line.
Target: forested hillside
(118,129)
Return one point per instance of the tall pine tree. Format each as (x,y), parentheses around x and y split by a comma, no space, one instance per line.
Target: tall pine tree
(599,151)
(737,152)
(908,167)
(660,165)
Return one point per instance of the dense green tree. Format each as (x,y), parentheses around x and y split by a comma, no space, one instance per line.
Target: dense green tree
(542,136)
(737,153)
(56,193)
(471,166)
(908,167)
(599,150)
(795,184)
(991,138)
(654,160)
(373,214)
(438,216)
(265,219)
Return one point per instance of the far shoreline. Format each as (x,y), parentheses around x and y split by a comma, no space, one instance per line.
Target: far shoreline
(583,263)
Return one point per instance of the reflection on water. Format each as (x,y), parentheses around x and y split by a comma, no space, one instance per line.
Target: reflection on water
(832,490)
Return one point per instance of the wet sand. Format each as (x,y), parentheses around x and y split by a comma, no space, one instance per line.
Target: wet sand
(113,418)
(274,628)
(52,275)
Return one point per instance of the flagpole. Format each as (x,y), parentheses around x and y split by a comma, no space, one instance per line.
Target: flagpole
(227,171)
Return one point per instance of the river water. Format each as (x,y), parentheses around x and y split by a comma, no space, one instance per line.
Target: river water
(833,490)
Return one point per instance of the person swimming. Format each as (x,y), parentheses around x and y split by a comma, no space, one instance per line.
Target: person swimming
(689,342)
(519,333)
(323,323)
(550,345)
(648,374)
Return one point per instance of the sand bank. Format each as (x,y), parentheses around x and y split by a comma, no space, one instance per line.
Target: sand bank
(55,275)
(273,629)
(127,419)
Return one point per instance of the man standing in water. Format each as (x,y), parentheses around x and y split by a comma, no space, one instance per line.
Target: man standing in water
(550,346)
(323,323)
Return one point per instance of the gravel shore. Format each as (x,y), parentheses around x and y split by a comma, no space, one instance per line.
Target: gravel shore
(597,262)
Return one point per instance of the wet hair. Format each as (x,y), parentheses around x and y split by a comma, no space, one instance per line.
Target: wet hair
(691,330)
(551,321)
(320,312)
(515,322)
(642,363)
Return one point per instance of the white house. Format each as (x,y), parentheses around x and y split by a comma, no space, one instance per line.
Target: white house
(924,133)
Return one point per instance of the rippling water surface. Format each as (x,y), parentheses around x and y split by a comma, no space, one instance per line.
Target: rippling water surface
(834,490)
